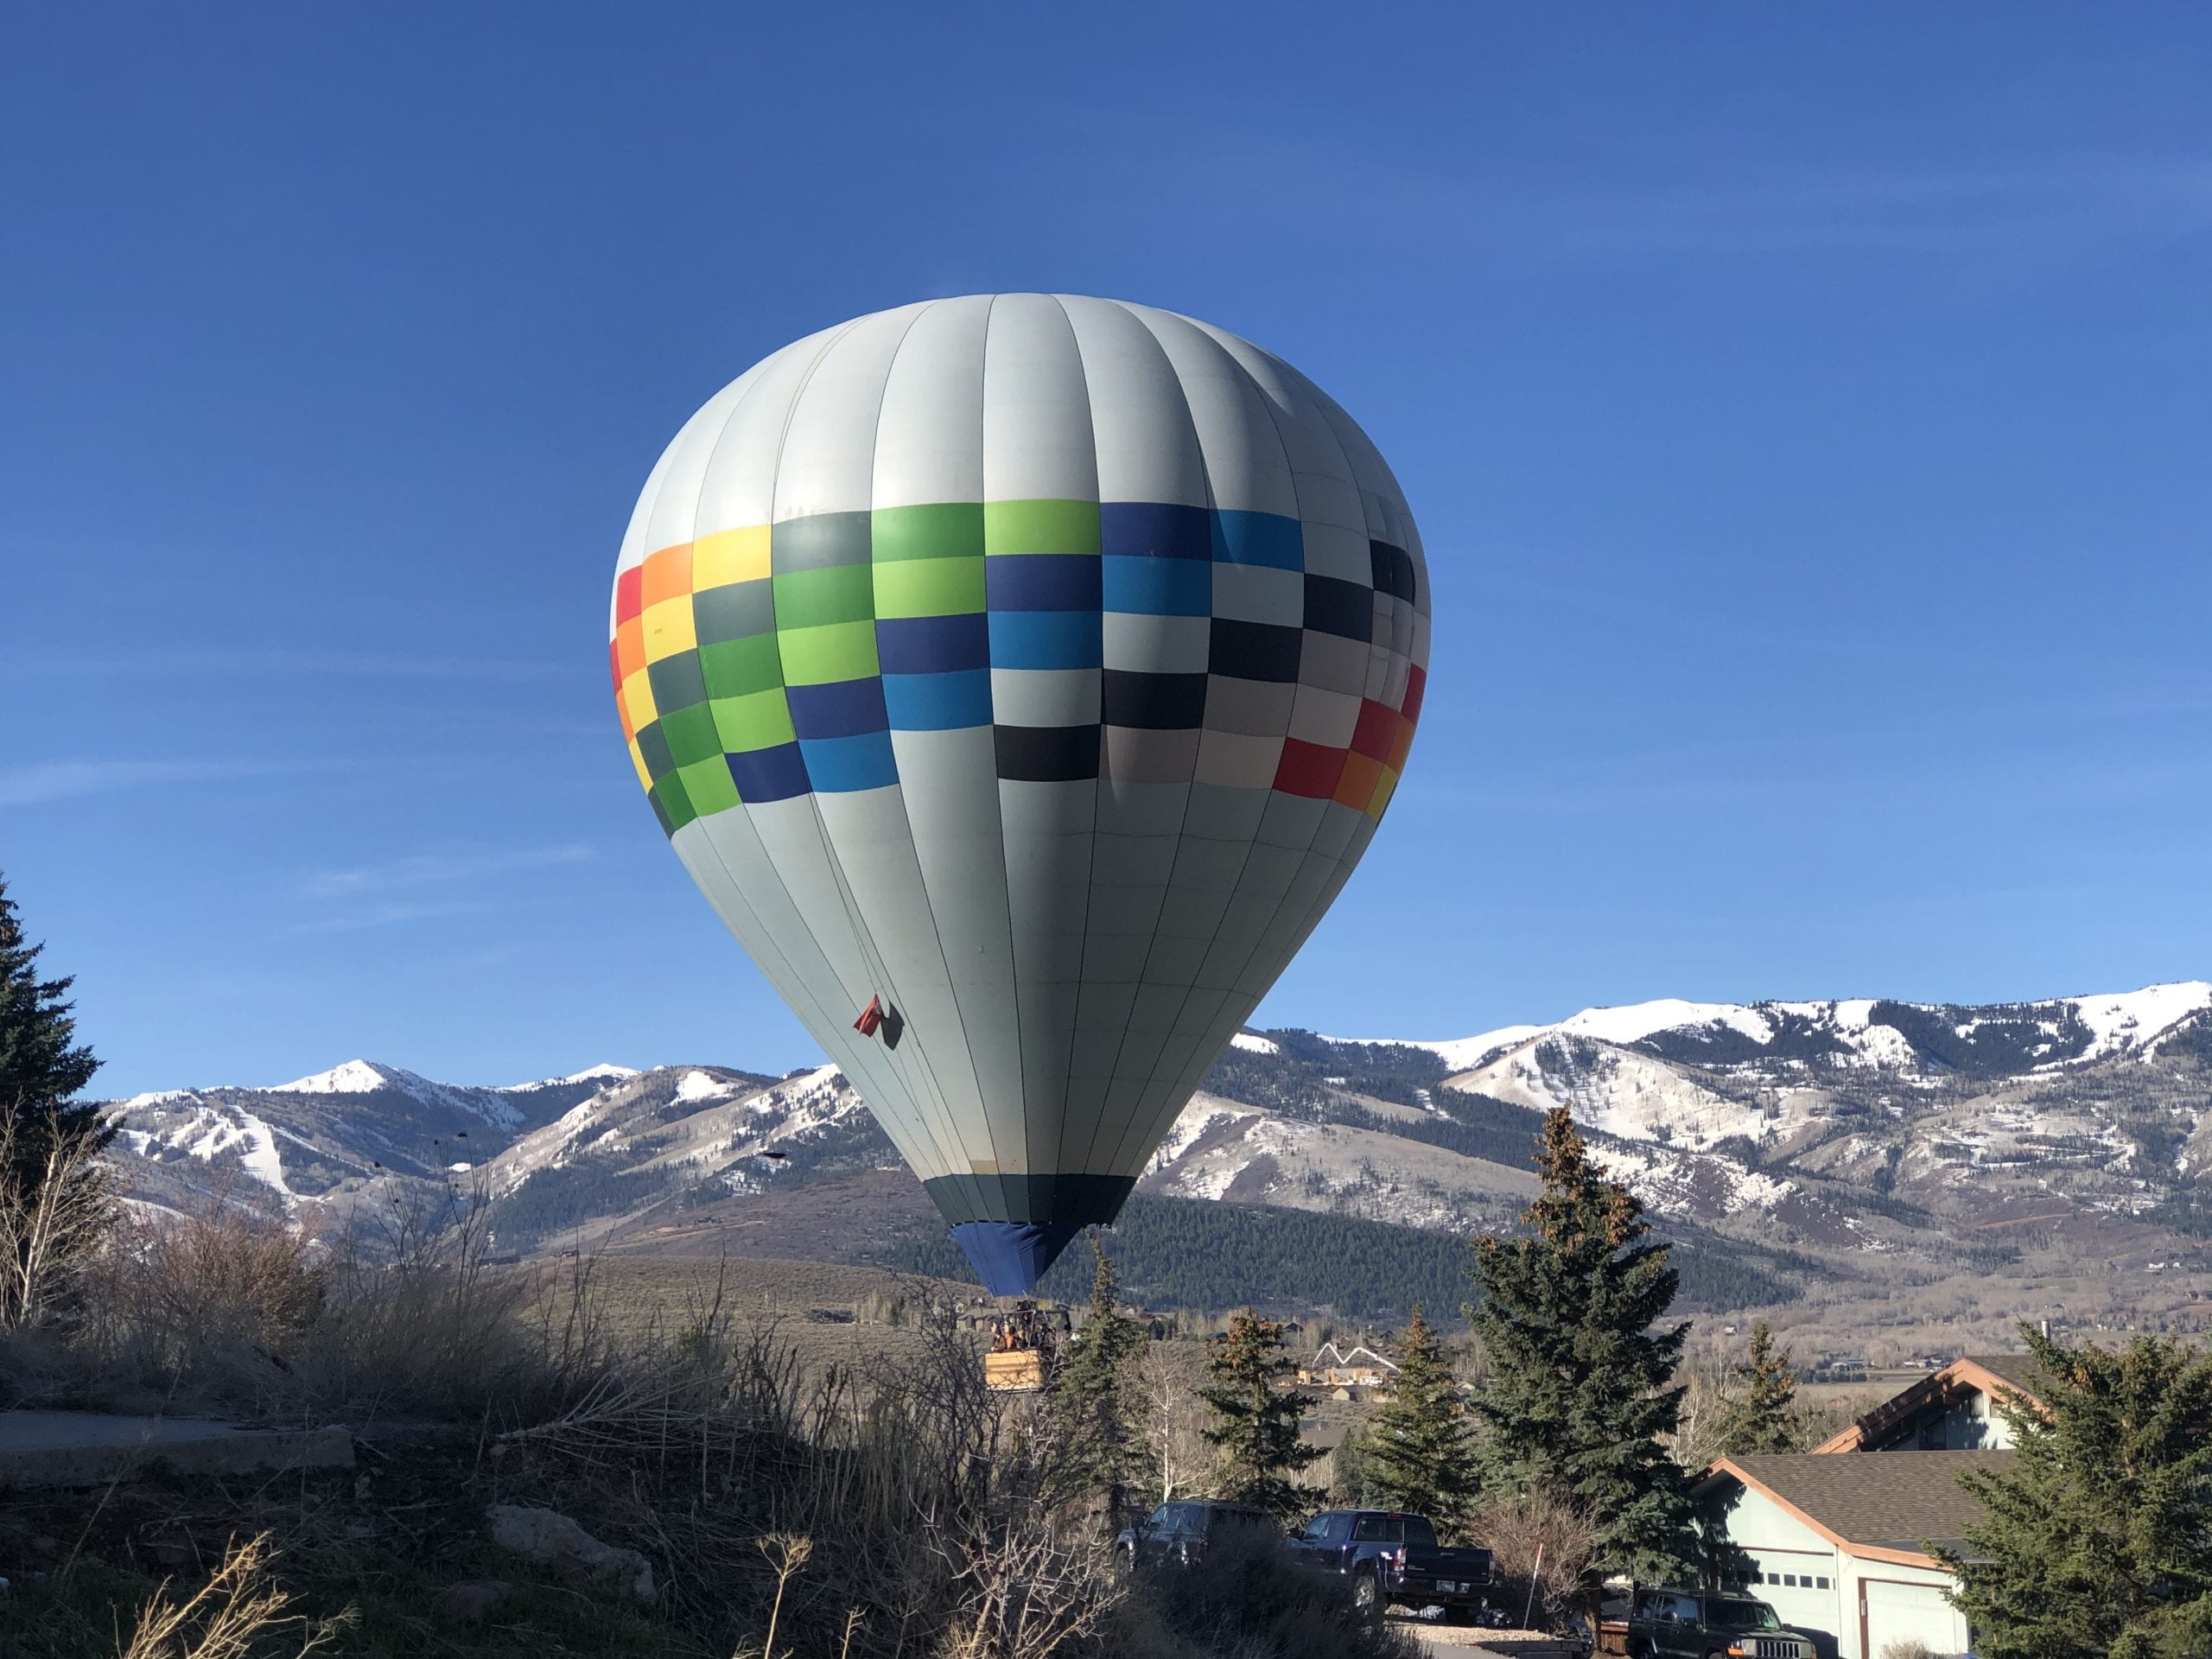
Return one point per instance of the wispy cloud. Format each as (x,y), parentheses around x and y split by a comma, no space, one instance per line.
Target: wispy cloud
(393,914)
(2064,207)
(2057,210)
(418,870)
(339,664)
(61,780)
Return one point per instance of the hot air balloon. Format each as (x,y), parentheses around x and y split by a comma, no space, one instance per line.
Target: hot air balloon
(1020,676)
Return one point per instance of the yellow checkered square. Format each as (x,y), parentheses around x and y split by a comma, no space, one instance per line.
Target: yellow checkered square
(730,556)
(668,628)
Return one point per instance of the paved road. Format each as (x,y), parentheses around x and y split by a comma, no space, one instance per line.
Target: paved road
(1461,1642)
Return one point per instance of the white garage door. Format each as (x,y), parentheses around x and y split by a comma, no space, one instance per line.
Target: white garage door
(1900,1615)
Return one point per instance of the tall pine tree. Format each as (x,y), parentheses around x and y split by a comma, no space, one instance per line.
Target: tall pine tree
(1581,1386)
(1089,1400)
(1422,1453)
(1256,1424)
(42,1064)
(2097,1541)
(1764,1418)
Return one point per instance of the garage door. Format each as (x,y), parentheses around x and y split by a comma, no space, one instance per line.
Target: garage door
(1899,1616)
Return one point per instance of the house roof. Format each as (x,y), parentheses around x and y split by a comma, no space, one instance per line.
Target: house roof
(2018,1372)
(1329,1354)
(1974,1373)
(1890,1504)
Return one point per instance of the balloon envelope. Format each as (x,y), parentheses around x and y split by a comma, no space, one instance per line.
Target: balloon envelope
(1031,670)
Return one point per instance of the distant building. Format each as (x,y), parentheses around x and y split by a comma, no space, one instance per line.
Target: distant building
(1357,1367)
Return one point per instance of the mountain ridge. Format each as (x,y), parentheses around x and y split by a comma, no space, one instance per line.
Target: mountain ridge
(2032,1141)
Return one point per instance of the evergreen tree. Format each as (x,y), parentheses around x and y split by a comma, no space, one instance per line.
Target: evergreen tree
(1255,1426)
(1421,1456)
(1765,1418)
(1580,1385)
(2097,1541)
(41,1065)
(1088,1400)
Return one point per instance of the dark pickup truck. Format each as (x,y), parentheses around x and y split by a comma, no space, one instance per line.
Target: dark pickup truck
(1692,1624)
(1392,1557)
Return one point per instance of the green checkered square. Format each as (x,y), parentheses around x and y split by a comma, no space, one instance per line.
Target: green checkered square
(945,530)
(760,720)
(691,734)
(932,587)
(736,668)
(820,656)
(671,804)
(707,787)
(1042,527)
(813,599)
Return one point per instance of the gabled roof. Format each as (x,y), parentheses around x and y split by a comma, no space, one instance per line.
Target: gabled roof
(1329,1355)
(1883,1508)
(1989,1374)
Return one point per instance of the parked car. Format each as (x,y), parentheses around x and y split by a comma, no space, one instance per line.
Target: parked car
(1391,1557)
(1697,1624)
(1180,1531)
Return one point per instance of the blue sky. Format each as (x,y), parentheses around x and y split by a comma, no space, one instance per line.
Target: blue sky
(1806,411)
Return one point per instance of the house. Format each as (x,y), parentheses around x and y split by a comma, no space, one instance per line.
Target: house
(1357,1367)
(1839,1544)
(1950,1409)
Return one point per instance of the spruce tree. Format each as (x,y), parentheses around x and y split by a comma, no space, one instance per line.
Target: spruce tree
(1099,1440)
(1765,1418)
(1421,1455)
(1255,1426)
(1580,1385)
(2097,1541)
(42,1064)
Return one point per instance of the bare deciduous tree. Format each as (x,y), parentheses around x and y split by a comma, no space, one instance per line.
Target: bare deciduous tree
(53,1224)
(1175,1450)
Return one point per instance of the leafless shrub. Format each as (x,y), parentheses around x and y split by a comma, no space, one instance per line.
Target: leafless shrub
(1025,1590)
(213,1302)
(1540,1543)
(1907,1650)
(236,1613)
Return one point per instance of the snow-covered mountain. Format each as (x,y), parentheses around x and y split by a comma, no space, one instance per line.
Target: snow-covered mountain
(335,1133)
(1931,1037)
(1888,1146)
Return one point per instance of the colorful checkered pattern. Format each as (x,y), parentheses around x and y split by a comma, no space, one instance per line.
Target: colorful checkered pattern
(758,664)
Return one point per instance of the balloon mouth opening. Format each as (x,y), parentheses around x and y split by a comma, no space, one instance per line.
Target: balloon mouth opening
(1011,1256)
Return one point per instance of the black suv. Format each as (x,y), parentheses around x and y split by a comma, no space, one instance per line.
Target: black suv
(1179,1531)
(1692,1624)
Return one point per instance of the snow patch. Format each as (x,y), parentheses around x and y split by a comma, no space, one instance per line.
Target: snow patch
(230,1130)
(2139,1019)
(590,1074)
(1194,1122)
(1623,1025)
(354,1078)
(160,1098)
(698,1085)
(1251,1045)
